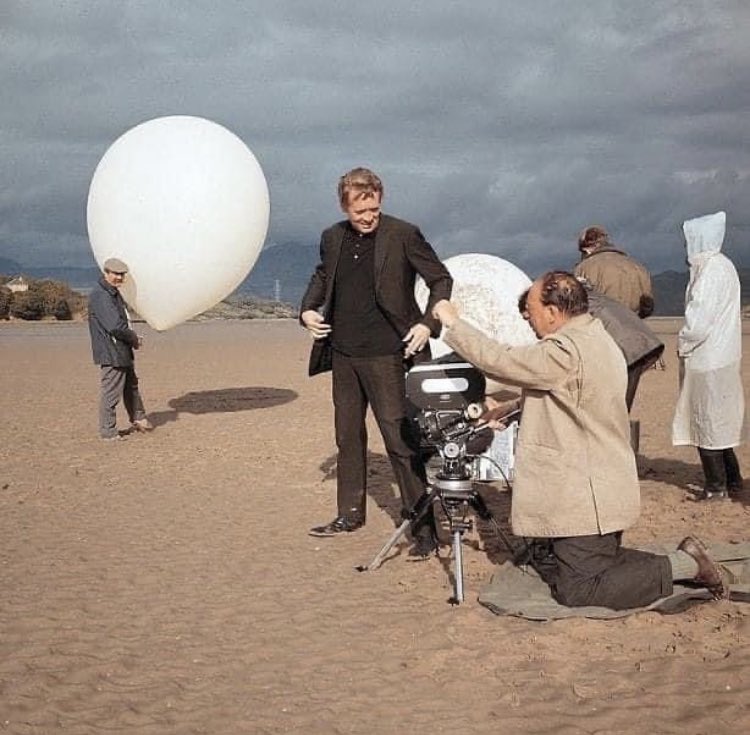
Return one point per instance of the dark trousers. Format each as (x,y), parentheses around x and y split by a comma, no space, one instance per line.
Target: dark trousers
(721,470)
(378,382)
(598,570)
(117,383)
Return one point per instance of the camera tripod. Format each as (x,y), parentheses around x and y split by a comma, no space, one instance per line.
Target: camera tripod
(457,496)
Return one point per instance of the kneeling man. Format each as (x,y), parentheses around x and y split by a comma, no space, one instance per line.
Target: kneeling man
(576,483)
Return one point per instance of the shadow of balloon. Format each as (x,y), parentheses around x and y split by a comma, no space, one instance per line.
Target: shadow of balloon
(229,400)
(223,400)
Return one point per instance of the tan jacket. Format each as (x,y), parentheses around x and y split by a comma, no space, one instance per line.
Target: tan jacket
(575,469)
(620,277)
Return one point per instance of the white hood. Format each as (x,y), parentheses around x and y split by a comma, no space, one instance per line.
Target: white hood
(710,409)
(704,235)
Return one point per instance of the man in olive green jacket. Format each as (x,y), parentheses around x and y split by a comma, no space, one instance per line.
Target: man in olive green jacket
(613,272)
(576,480)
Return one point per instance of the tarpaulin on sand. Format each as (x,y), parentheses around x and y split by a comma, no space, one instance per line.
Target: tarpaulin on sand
(519,591)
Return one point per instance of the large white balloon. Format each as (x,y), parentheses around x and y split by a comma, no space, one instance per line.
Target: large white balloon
(184,203)
(486,290)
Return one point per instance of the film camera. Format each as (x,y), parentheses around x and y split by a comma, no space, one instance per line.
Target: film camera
(446,401)
(446,398)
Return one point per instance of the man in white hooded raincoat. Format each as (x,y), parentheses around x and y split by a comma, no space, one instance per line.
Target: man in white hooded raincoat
(710,408)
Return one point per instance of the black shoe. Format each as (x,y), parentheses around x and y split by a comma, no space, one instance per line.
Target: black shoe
(715,473)
(732,468)
(340,524)
(735,488)
(713,495)
(424,545)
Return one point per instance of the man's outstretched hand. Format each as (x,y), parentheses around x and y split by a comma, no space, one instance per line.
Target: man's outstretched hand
(445,312)
(495,411)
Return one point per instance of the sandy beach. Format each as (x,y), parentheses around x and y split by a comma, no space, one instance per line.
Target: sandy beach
(166,584)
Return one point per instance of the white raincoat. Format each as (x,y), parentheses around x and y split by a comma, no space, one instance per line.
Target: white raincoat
(710,409)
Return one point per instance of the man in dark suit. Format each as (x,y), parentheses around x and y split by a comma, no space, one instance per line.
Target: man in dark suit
(360,308)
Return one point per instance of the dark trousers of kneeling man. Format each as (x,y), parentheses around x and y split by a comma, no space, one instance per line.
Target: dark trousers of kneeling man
(599,571)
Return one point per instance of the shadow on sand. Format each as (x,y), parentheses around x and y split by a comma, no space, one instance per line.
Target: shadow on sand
(223,400)
(687,476)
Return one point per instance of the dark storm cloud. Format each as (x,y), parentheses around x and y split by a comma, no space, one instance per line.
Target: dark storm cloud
(498,127)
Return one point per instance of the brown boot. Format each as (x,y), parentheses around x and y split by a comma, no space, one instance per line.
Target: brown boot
(710,574)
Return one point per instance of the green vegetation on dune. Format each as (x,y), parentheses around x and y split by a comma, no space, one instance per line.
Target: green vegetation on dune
(43,299)
(249,307)
(48,299)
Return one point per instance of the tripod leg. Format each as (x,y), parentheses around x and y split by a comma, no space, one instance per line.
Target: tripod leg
(424,502)
(459,568)
(389,544)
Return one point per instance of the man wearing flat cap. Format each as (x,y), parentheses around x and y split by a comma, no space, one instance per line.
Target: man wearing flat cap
(112,345)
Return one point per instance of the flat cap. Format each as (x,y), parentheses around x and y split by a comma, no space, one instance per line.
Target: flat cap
(115,265)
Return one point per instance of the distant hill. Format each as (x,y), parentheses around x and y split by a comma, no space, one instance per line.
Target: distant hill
(79,279)
(290,264)
(283,271)
(9,267)
(669,291)
(287,266)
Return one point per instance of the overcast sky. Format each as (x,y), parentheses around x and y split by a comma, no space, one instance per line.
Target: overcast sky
(498,126)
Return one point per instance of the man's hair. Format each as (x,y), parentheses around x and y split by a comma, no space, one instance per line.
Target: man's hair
(523,302)
(563,290)
(592,238)
(358,184)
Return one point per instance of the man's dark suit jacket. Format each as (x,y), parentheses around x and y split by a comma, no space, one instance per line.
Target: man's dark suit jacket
(401,252)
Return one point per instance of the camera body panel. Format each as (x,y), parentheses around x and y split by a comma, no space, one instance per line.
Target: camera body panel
(444,386)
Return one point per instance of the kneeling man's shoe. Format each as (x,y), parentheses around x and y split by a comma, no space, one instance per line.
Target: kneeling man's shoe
(340,524)
(710,574)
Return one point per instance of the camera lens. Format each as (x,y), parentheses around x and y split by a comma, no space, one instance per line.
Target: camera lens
(451,450)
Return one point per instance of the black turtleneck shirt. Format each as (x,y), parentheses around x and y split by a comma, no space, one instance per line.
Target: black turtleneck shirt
(360,329)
